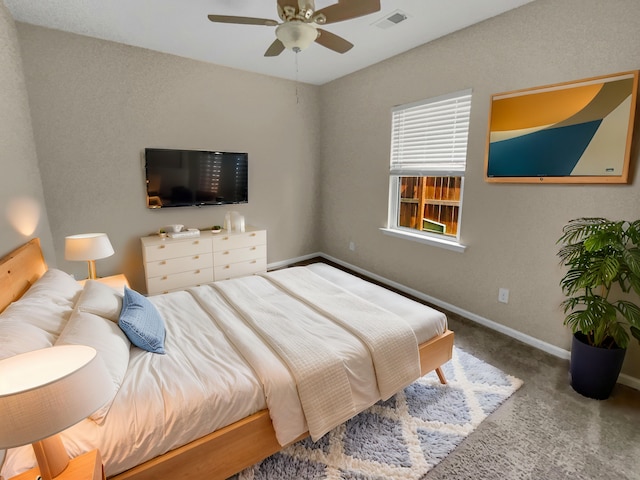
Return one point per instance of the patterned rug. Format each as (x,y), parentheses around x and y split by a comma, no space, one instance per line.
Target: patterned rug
(403,437)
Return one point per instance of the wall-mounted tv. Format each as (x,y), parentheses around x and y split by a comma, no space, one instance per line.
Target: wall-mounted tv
(182,178)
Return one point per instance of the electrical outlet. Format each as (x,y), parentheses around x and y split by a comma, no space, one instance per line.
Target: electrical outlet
(503,295)
(352,246)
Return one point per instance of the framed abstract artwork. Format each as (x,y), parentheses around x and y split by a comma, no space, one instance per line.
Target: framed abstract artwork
(574,132)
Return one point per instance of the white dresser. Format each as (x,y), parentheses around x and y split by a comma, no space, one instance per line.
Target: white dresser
(177,263)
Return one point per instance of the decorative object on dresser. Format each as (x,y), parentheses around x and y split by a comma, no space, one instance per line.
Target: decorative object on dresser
(72,378)
(178,263)
(88,247)
(188,233)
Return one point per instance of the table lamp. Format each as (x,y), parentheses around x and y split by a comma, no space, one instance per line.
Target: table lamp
(46,391)
(89,247)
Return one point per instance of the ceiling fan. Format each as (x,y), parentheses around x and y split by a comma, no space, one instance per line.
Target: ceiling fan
(300,21)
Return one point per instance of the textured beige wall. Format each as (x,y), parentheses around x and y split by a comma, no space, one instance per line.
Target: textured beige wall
(22,212)
(510,230)
(96,105)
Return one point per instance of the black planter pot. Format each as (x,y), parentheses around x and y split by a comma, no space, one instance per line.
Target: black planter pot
(594,371)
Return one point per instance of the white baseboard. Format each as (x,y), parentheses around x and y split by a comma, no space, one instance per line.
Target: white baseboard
(629,381)
(291,261)
(524,338)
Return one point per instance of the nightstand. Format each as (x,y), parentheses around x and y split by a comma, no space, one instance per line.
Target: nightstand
(85,467)
(117,282)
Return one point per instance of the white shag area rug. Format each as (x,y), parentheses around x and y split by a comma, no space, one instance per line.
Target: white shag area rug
(403,437)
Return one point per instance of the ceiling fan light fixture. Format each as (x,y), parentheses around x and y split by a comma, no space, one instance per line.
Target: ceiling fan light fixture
(296,35)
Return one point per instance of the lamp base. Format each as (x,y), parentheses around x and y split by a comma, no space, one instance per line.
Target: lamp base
(87,466)
(52,457)
(92,269)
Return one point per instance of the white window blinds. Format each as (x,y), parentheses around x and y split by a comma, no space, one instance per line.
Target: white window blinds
(430,137)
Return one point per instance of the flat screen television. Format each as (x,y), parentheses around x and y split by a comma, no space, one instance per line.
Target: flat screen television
(183,178)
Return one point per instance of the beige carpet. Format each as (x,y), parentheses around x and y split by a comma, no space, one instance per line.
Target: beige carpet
(545,430)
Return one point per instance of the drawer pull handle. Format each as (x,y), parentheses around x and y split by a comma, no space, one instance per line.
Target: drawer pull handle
(163,262)
(226,253)
(164,278)
(252,248)
(197,272)
(196,242)
(253,261)
(162,246)
(252,235)
(196,257)
(227,266)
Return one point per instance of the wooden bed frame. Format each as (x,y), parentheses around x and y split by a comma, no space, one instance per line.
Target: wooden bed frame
(219,454)
(19,270)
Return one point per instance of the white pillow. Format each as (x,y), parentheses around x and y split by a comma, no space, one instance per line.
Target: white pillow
(18,337)
(100,299)
(112,345)
(54,286)
(47,305)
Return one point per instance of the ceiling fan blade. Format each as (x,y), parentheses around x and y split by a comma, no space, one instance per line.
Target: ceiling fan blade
(275,49)
(242,20)
(288,3)
(333,41)
(306,4)
(348,9)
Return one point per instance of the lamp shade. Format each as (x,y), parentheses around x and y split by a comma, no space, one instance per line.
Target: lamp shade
(87,246)
(296,35)
(46,391)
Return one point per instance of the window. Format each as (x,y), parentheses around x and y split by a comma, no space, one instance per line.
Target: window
(428,160)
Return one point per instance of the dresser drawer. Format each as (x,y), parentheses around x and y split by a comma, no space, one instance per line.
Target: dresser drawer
(240,269)
(235,255)
(176,281)
(239,240)
(175,265)
(176,248)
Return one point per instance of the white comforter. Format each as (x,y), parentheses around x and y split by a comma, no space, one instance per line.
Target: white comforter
(287,308)
(217,371)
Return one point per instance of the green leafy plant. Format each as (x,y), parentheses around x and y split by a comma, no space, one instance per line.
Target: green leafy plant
(601,253)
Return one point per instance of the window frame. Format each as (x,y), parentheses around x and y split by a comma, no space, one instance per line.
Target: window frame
(451,167)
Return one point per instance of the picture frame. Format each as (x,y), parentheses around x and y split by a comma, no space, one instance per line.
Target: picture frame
(572,132)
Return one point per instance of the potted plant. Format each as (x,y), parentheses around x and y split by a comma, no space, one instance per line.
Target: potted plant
(601,254)
(163,233)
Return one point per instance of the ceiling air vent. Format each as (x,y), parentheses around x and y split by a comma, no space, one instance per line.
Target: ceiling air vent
(392,19)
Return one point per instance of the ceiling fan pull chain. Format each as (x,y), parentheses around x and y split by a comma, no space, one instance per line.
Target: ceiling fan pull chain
(297,98)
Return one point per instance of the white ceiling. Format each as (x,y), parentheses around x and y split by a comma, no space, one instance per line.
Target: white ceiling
(181,27)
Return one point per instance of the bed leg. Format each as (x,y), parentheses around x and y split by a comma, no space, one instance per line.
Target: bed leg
(441,376)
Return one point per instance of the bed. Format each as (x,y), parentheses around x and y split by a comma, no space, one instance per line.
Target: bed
(220,399)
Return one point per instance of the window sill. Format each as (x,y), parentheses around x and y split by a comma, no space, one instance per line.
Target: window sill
(433,241)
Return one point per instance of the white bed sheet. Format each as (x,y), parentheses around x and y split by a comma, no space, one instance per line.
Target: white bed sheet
(426,322)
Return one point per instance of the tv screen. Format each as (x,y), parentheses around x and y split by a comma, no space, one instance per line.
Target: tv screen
(181,178)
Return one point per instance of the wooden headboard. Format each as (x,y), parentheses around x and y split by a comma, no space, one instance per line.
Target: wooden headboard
(19,270)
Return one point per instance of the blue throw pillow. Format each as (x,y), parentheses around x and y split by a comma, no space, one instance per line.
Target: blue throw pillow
(141,322)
